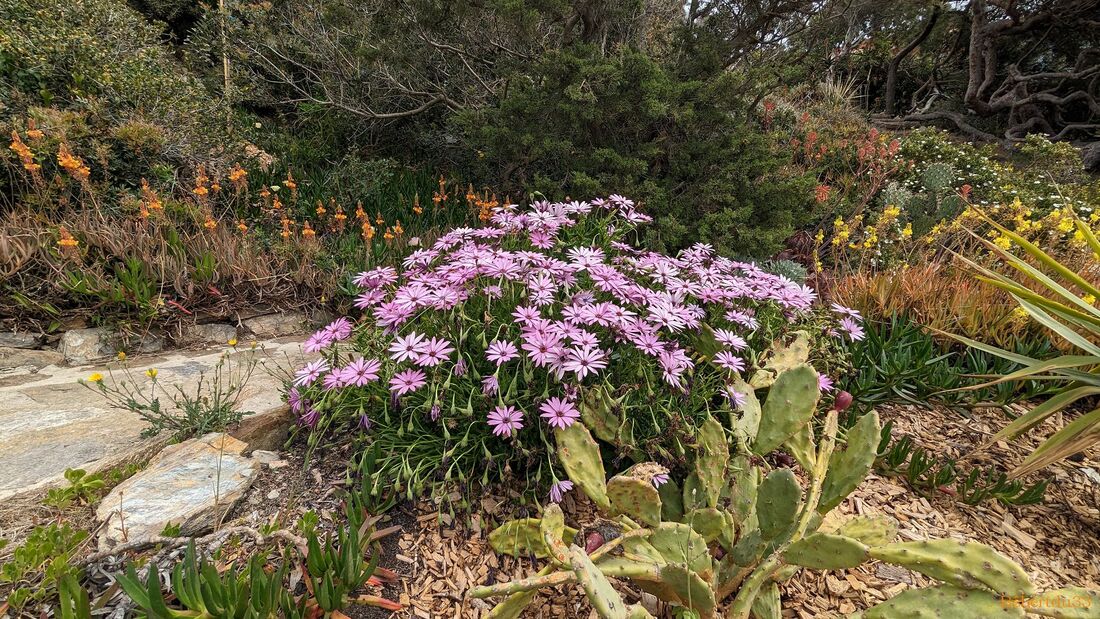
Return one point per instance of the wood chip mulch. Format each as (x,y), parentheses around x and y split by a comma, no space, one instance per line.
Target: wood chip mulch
(1057,542)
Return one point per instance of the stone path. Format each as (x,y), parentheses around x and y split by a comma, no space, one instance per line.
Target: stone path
(49,422)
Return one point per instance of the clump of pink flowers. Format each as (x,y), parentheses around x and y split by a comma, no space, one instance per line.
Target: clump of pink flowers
(543,309)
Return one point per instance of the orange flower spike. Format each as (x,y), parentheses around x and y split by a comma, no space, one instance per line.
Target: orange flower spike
(277,203)
(243,227)
(211,224)
(360,214)
(34,132)
(321,210)
(307,231)
(397,229)
(237,175)
(72,164)
(66,239)
(378,218)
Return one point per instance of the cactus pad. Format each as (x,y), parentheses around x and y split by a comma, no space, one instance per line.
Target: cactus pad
(748,549)
(712,457)
(551,528)
(580,456)
(848,468)
(695,496)
(801,446)
(748,423)
(965,564)
(942,602)
(635,497)
(690,590)
(871,530)
(603,597)
(672,500)
(780,358)
(708,522)
(826,551)
(744,479)
(790,405)
(777,503)
(523,538)
(766,605)
(678,543)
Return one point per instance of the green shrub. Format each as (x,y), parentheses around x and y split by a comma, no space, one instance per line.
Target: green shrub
(101,57)
(586,124)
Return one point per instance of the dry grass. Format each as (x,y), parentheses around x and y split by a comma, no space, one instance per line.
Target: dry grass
(939,296)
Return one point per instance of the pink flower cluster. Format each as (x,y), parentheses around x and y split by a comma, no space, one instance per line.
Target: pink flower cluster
(572,309)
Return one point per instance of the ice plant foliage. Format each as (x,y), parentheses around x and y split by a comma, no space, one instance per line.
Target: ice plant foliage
(495,337)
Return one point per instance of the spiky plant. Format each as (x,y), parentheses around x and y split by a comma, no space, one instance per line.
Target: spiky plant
(1065,305)
(765,525)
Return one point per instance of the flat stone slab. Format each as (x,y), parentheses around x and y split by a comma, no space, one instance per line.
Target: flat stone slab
(49,422)
(189,485)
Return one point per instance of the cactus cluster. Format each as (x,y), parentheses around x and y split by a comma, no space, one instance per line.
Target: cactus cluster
(728,534)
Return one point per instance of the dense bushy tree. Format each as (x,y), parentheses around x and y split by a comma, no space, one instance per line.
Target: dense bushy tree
(588,124)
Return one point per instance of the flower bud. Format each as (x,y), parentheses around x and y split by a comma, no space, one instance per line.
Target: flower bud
(593,541)
(842,401)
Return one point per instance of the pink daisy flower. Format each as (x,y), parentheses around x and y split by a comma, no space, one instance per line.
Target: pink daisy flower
(559,413)
(558,490)
(361,371)
(731,339)
(406,348)
(505,420)
(501,351)
(584,361)
(435,351)
(729,361)
(310,372)
(852,327)
(407,381)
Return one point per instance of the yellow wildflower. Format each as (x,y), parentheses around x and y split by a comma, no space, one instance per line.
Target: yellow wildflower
(95,378)
(232,341)
(151,373)
(121,355)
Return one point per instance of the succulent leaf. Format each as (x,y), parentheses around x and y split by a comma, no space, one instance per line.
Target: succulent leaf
(580,457)
(777,503)
(523,538)
(826,551)
(942,602)
(634,497)
(849,467)
(790,404)
(969,565)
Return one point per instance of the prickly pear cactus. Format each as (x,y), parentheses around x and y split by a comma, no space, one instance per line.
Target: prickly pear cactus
(719,542)
(939,178)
